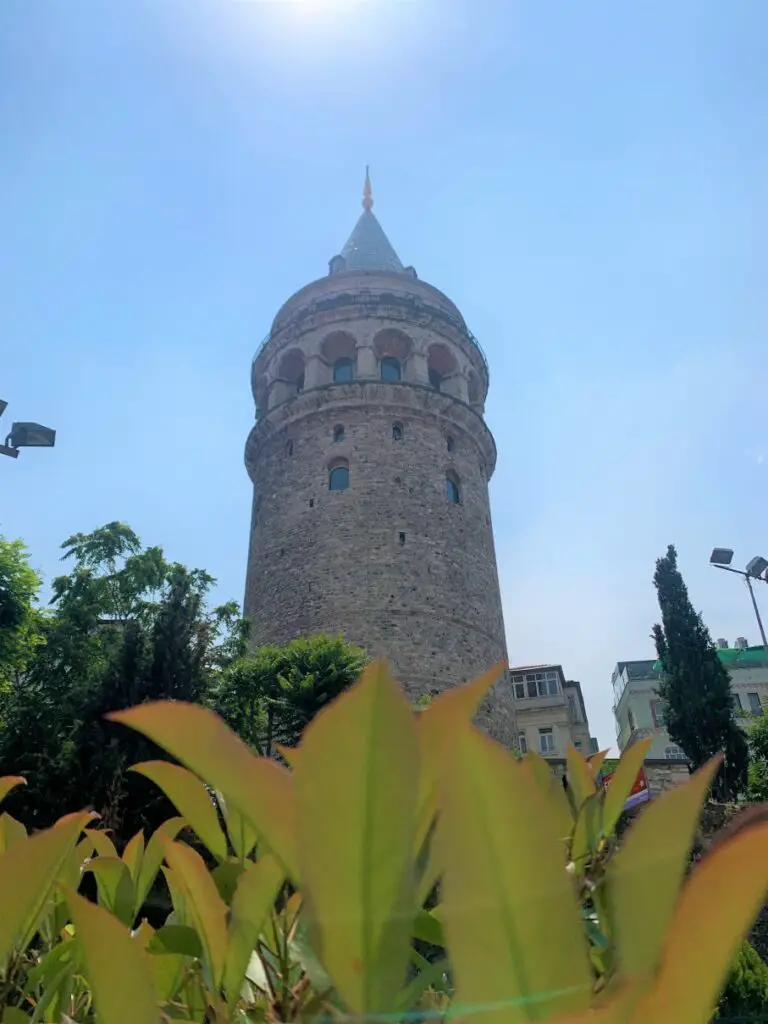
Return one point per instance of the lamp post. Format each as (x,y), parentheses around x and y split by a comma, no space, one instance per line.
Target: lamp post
(25,435)
(757,569)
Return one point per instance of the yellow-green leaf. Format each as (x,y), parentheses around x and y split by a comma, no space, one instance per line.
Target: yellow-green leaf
(9,782)
(254,898)
(191,799)
(28,873)
(552,787)
(116,967)
(716,907)
(115,887)
(506,897)
(643,879)
(168,972)
(456,702)
(11,831)
(587,833)
(102,844)
(580,778)
(622,782)
(153,858)
(207,908)
(242,834)
(257,787)
(595,761)
(356,796)
(133,854)
(427,928)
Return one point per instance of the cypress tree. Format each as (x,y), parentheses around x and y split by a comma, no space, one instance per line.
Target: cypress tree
(695,686)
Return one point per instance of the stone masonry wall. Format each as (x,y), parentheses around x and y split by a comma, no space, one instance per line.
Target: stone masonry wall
(390,563)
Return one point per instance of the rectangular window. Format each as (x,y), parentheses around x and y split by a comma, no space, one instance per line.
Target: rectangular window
(552,684)
(572,707)
(657,711)
(522,743)
(520,690)
(532,692)
(737,705)
(754,703)
(546,741)
(631,719)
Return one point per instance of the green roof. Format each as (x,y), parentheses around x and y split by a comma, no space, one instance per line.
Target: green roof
(736,657)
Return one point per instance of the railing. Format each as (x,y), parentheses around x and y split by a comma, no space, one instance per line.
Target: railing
(331,300)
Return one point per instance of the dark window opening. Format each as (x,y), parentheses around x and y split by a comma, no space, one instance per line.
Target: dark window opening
(289,448)
(435,379)
(390,368)
(401,538)
(397,432)
(338,434)
(338,478)
(300,383)
(311,502)
(450,444)
(343,369)
(452,492)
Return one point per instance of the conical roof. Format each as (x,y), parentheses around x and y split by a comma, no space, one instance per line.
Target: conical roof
(368,248)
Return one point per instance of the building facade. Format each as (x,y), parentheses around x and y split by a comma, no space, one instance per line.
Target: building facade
(639,712)
(551,713)
(370,461)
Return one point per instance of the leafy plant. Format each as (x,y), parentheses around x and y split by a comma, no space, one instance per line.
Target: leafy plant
(316,878)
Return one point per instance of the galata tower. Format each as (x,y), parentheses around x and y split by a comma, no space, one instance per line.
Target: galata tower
(370,461)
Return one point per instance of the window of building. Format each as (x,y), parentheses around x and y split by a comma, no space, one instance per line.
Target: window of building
(338,477)
(674,754)
(572,707)
(657,713)
(338,433)
(522,743)
(736,701)
(390,368)
(546,741)
(536,684)
(343,369)
(452,492)
(300,383)
(435,379)
(289,448)
(450,444)
(631,719)
(754,703)
(397,431)
(401,539)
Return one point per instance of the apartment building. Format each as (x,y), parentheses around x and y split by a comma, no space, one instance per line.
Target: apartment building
(551,713)
(639,712)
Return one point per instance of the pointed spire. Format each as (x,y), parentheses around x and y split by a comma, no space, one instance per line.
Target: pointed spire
(367,191)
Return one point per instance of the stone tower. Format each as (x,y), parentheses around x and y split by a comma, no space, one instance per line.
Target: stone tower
(370,461)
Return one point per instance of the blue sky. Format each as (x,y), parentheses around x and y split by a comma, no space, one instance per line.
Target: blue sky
(587,181)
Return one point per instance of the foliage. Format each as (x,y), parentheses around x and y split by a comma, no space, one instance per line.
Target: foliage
(321,872)
(271,696)
(126,626)
(20,621)
(757,774)
(745,995)
(695,686)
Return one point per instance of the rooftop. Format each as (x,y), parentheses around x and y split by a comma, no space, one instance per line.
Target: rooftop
(368,248)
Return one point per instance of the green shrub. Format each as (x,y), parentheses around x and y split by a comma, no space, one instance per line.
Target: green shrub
(745,995)
(325,873)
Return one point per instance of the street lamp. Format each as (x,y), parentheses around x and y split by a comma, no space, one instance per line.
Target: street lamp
(757,569)
(25,435)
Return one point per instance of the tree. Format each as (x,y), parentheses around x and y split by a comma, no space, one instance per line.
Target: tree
(21,623)
(757,773)
(127,626)
(745,996)
(695,686)
(270,696)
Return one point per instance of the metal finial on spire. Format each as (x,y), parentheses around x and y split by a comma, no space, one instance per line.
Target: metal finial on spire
(367,193)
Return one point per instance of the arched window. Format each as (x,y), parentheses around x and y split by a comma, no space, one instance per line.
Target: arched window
(450,444)
(452,492)
(397,431)
(390,368)
(338,477)
(338,433)
(435,379)
(343,369)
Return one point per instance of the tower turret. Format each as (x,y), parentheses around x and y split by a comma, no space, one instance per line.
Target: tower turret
(370,461)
